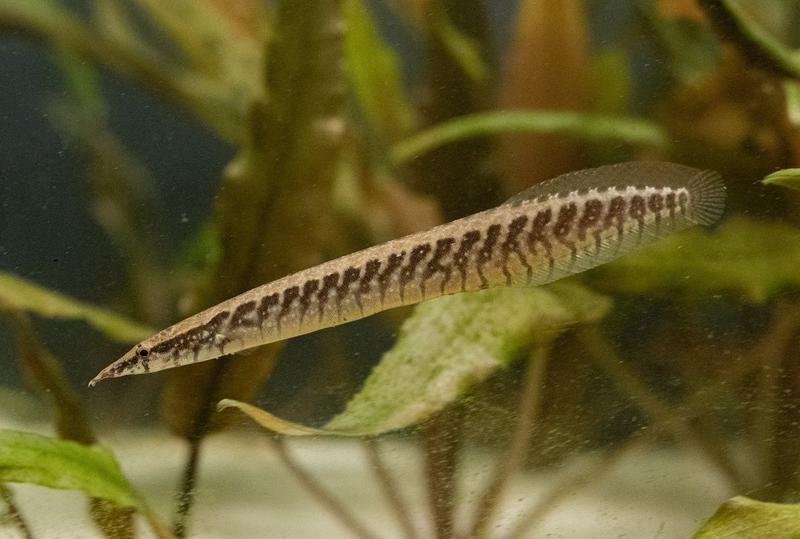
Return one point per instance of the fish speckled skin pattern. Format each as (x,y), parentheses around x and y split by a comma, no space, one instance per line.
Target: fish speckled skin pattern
(557,228)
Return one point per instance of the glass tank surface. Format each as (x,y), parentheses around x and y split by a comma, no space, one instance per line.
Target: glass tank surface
(399,268)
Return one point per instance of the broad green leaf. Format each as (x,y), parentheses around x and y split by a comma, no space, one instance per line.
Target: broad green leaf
(444,348)
(743,518)
(18,294)
(374,74)
(745,257)
(577,124)
(63,464)
(787,177)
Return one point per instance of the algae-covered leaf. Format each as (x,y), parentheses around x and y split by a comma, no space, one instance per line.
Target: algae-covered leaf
(63,464)
(17,294)
(749,258)
(445,347)
(276,192)
(787,177)
(374,74)
(744,518)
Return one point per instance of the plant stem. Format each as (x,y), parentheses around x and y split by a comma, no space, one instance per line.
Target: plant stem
(570,485)
(512,460)
(604,355)
(195,441)
(319,492)
(442,439)
(782,331)
(390,488)
(13,512)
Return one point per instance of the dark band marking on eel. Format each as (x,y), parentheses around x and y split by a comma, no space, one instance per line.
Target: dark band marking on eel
(637,211)
(562,228)
(538,235)
(616,217)
(461,257)
(655,203)
(511,245)
(669,202)
(394,263)
(592,212)
(350,276)
(329,282)
(418,254)
(443,248)
(193,339)
(487,250)
(267,302)
(371,270)
(310,288)
(240,315)
(289,295)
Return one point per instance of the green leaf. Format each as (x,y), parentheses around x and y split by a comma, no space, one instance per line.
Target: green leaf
(373,70)
(735,25)
(743,518)
(462,48)
(689,49)
(581,125)
(62,464)
(215,43)
(745,257)
(787,177)
(18,294)
(444,348)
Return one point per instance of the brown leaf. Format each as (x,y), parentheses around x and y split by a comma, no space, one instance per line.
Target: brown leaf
(546,69)
(681,9)
(392,206)
(246,15)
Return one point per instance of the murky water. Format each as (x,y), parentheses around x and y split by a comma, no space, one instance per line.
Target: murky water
(158,158)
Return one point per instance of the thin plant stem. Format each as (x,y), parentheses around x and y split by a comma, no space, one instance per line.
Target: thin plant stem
(160,530)
(781,333)
(514,457)
(390,489)
(604,355)
(770,363)
(571,485)
(317,491)
(441,440)
(13,512)
(202,422)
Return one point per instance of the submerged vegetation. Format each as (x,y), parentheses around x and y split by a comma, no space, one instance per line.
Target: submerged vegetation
(349,122)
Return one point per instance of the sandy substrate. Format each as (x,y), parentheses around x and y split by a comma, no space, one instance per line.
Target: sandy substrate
(246,492)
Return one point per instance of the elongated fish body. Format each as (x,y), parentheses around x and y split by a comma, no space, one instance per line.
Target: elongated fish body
(557,228)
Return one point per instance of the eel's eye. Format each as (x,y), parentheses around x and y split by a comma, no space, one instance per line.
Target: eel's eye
(144,352)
